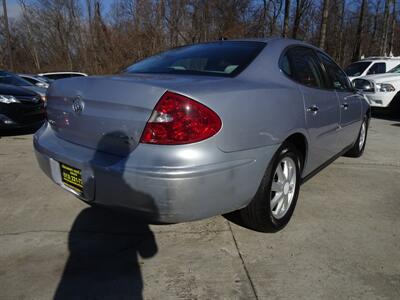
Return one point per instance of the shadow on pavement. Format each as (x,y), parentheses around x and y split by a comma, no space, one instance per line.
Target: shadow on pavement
(388,114)
(105,245)
(235,218)
(104,249)
(19,131)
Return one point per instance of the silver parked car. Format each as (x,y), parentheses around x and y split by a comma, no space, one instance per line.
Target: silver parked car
(60,75)
(204,130)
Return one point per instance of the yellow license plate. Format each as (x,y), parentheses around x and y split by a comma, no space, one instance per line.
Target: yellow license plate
(71,177)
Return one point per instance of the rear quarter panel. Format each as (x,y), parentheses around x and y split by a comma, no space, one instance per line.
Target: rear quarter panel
(259,107)
(254,114)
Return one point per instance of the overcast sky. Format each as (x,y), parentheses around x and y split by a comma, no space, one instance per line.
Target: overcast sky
(14,8)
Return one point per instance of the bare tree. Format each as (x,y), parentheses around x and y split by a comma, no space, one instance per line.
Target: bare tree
(301,8)
(392,28)
(357,48)
(8,36)
(375,26)
(324,22)
(286,19)
(277,9)
(341,42)
(84,35)
(385,29)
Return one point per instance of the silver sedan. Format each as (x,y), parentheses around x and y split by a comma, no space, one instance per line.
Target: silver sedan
(203,130)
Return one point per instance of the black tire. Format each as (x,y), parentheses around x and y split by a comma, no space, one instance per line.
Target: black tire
(356,150)
(258,215)
(394,106)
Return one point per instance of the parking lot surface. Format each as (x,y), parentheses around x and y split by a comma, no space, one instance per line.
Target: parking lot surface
(342,242)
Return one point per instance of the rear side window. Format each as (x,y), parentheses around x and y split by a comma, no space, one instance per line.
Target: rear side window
(396,69)
(377,68)
(357,68)
(285,65)
(302,65)
(76,75)
(62,76)
(337,79)
(33,81)
(54,76)
(225,58)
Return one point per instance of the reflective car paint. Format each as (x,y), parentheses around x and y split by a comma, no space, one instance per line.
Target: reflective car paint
(260,108)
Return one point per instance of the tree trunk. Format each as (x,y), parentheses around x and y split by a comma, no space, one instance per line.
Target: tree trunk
(276,13)
(385,29)
(264,17)
(341,34)
(8,36)
(324,21)
(375,27)
(286,19)
(297,17)
(357,48)
(393,28)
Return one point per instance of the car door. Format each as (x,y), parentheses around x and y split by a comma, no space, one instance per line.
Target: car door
(350,101)
(320,104)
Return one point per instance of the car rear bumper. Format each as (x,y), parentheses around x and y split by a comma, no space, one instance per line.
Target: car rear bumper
(168,183)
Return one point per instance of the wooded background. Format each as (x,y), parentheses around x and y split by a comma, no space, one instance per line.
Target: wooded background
(98,38)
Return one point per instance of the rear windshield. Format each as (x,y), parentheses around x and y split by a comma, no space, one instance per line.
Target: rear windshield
(31,80)
(61,76)
(356,69)
(225,58)
(396,69)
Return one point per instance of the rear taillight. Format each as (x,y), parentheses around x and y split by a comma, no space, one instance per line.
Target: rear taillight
(177,119)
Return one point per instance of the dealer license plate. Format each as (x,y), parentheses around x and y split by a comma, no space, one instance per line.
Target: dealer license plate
(71,177)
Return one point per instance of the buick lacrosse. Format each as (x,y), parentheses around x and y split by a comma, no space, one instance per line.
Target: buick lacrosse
(203,130)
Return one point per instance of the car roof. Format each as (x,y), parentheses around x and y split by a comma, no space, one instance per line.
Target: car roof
(28,75)
(55,73)
(373,58)
(368,59)
(270,40)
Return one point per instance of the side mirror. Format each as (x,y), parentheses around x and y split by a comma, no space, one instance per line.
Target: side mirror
(363,85)
(42,85)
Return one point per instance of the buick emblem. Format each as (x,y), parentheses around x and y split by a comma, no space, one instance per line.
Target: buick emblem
(77,105)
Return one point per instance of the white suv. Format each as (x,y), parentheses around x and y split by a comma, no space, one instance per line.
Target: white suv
(371,66)
(382,89)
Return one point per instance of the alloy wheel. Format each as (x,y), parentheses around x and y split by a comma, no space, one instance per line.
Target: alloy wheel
(283,187)
(363,134)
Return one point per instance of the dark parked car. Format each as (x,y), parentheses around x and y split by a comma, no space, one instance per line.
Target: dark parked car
(20,108)
(14,79)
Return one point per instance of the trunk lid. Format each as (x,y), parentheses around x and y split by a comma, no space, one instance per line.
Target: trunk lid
(108,113)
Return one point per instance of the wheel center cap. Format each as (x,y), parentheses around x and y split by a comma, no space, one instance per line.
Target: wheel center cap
(286,188)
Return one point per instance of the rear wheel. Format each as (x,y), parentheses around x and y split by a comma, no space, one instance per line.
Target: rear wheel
(274,203)
(394,106)
(359,146)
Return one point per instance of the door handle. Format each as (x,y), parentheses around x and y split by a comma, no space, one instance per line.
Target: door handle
(313,109)
(345,106)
